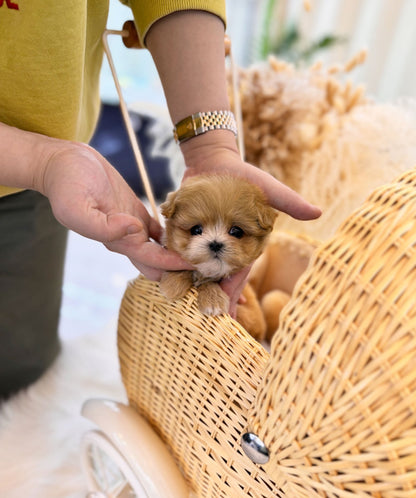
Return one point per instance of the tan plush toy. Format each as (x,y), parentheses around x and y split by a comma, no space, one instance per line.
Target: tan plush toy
(271,282)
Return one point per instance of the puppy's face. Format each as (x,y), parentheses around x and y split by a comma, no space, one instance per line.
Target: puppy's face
(219,224)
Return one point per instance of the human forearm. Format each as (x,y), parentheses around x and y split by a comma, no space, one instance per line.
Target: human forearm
(188,50)
(192,70)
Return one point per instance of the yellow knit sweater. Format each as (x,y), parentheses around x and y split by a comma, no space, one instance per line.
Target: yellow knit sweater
(50,60)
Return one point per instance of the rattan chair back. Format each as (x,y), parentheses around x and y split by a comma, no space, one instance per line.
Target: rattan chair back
(334,402)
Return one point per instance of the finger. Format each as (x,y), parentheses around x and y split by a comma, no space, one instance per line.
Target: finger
(151,273)
(288,201)
(242,299)
(153,255)
(141,251)
(94,224)
(125,224)
(233,287)
(155,230)
(282,197)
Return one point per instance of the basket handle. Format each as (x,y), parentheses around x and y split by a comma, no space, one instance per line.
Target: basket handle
(127,33)
(131,40)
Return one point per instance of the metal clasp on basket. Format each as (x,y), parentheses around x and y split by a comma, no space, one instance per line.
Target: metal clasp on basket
(254,448)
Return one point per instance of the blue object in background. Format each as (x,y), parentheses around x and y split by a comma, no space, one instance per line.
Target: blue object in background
(112,141)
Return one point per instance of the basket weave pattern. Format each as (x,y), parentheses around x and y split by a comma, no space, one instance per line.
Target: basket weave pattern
(194,378)
(337,404)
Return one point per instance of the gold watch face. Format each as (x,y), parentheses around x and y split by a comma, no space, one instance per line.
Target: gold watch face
(185,129)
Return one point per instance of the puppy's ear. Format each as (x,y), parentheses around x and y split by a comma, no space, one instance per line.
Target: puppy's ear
(169,206)
(266,216)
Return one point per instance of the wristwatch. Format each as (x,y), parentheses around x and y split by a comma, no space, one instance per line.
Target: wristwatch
(201,122)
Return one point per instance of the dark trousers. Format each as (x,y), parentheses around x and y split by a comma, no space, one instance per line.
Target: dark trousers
(32,253)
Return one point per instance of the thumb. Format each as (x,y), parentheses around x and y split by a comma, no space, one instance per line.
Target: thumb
(119,225)
(100,226)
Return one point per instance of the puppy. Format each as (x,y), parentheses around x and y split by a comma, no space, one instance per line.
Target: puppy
(219,224)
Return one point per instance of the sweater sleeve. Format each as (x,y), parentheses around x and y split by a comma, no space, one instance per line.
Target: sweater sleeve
(147,13)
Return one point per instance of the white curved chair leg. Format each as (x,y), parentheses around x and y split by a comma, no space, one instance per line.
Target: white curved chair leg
(107,472)
(135,458)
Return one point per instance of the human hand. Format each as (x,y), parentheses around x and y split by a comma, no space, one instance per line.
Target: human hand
(90,197)
(216,153)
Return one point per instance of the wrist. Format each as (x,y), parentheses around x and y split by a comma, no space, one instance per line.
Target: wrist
(210,150)
(27,159)
(20,157)
(44,150)
(56,161)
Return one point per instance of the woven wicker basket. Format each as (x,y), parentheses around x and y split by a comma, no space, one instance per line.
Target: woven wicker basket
(334,402)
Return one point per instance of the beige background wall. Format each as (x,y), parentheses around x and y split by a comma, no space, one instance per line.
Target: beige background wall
(386,28)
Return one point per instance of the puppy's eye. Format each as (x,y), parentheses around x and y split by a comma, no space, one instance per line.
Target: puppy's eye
(236,232)
(196,230)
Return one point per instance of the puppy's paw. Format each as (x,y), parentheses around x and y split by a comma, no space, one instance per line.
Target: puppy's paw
(175,284)
(212,300)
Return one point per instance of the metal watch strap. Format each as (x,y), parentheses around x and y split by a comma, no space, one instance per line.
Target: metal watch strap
(201,122)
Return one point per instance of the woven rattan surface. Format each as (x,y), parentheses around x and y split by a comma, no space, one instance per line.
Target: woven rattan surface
(337,405)
(194,378)
(336,401)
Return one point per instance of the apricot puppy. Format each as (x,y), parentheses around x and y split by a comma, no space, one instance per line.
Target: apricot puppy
(219,224)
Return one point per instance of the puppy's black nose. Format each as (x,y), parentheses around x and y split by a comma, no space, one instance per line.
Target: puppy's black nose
(216,246)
